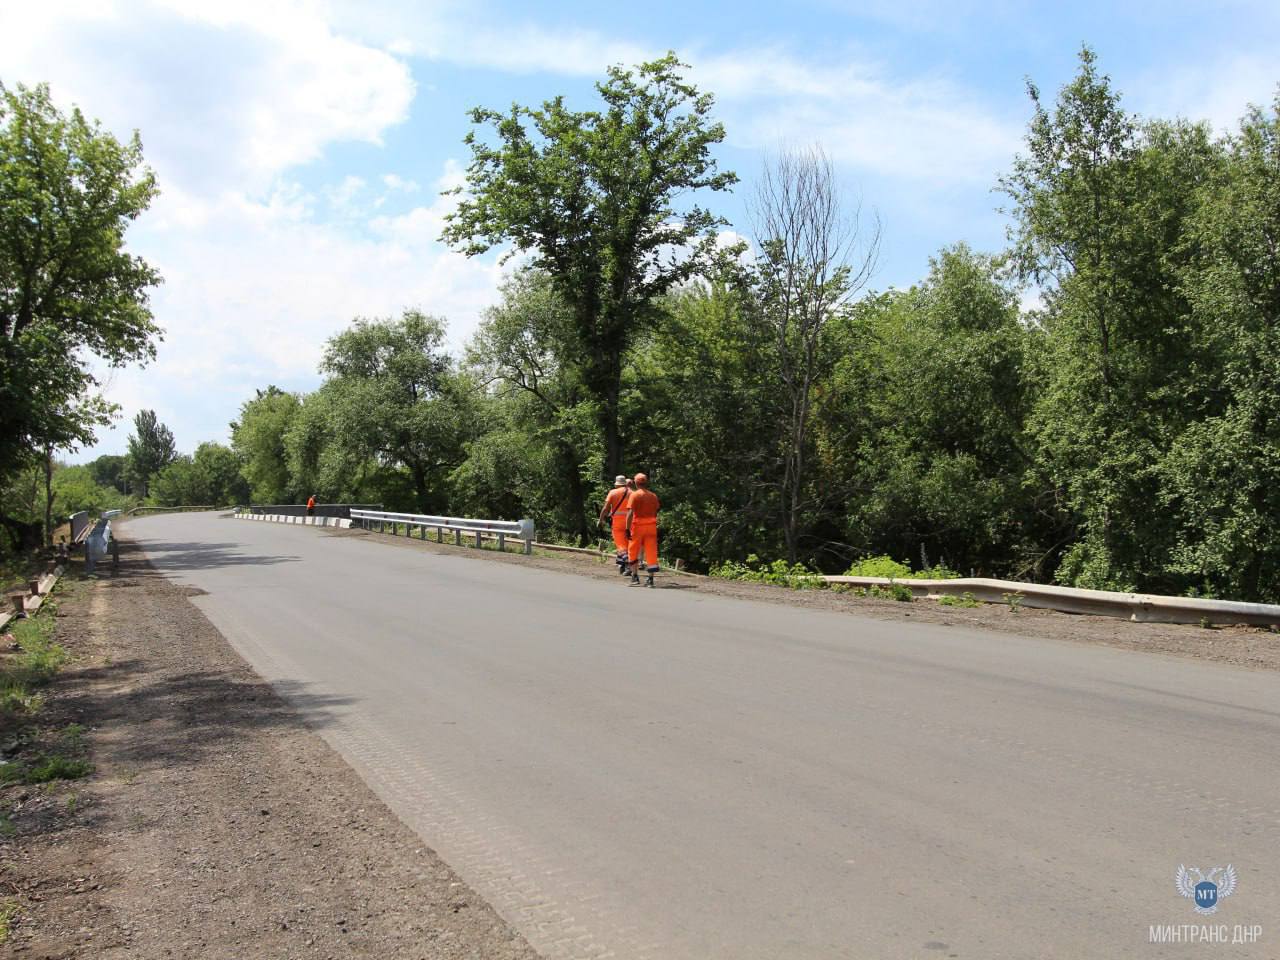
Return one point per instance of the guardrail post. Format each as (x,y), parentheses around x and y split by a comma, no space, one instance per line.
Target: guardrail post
(502,542)
(439,534)
(479,539)
(528,535)
(457,537)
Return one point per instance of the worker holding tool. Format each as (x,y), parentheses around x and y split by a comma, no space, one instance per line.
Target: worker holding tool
(614,514)
(642,526)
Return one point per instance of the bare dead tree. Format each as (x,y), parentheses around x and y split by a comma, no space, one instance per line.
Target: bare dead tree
(814,255)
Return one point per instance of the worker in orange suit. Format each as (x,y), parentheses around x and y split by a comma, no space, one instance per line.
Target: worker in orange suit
(614,515)
(642,507)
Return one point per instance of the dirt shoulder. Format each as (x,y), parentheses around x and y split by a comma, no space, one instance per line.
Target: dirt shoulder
(1241,646)
(216,824)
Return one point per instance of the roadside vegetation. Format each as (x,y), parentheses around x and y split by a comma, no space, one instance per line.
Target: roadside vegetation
(1092,405)
(1115,435)
(33,752)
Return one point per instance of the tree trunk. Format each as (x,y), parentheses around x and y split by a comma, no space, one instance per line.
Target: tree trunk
(577,495)
(48,496)
(612,430)
(419,475)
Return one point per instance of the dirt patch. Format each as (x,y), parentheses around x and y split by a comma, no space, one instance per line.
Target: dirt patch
(1242,646)
(217,824)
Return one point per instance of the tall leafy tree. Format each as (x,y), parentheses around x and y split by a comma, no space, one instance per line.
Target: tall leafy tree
(592,196)
(704,403)
(258,439)
(1099,202)
(398,401)
(923,427)
(69,289)
(1222,475)
(541,454)
(151,448)
(108,470)
(210,477)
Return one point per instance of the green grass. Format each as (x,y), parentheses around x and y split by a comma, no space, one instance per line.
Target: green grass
(8,913)
(780,573)
(45,769)
(41,658)
(887,567)
(966,599)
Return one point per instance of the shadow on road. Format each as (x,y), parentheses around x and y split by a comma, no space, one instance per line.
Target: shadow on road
(161,689)
(202,555)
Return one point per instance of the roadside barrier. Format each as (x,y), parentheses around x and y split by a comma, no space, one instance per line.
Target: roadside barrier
(522,530)
(291,518)
(134,511)
(1140,607)
(29,600)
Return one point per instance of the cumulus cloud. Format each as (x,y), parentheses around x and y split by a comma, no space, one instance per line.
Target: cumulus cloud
(232,98)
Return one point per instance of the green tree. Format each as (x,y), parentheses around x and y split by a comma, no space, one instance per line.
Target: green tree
(540,455)
(592,196)
(704,404)
(258,439)
(211,477)
(1100,202)
(396,401)
(69,290)
(75,489)
(151,449)
(108,470)
(923,427)
(1222,475)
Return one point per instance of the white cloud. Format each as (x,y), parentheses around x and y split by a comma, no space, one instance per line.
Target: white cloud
(232,97)
(228,94)
(1219,91)
(395,182)
(924,130)
(250,298)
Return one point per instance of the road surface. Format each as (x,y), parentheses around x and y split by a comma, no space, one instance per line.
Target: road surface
(659,773)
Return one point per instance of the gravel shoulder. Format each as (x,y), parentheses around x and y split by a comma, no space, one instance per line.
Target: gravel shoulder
(1237,645)
(216,823)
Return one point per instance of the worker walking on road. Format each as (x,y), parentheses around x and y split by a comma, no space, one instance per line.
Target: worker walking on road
(614,514)
(642,519)
(311,505)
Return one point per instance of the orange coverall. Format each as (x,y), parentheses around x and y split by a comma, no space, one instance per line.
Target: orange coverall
(644,506)
(615,511)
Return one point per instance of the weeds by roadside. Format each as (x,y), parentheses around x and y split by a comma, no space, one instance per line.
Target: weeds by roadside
(31,754)
(8,911)
(799,577)
(965,599)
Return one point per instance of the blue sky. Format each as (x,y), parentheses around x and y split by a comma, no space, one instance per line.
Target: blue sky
(301,146)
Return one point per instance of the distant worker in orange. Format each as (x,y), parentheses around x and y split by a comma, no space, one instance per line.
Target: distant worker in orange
(311,505)
(642,509)
(614,514)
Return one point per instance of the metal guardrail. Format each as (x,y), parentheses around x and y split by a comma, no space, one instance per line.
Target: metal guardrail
(1104,603)
(522,530)
(98,544)
(134,511)
(27,601)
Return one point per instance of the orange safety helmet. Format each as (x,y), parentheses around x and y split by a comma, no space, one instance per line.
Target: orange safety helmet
(641,480)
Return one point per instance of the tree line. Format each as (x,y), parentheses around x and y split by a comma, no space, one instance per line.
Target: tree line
(1122,435)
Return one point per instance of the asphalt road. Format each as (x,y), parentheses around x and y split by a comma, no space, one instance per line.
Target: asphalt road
(659,773)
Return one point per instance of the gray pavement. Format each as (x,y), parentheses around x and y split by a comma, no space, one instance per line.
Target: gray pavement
(659,773)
